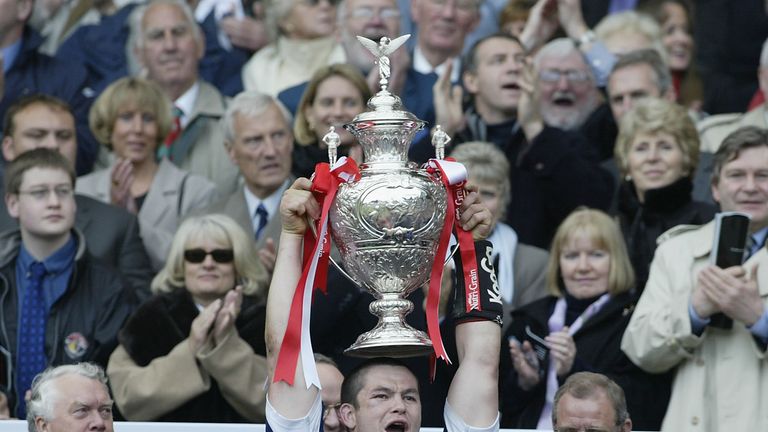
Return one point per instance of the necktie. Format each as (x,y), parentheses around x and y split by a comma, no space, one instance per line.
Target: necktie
(31,339)
(752,246)
(165,149)
(263,215)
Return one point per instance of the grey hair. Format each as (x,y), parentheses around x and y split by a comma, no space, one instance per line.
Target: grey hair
(136,33)
(588,385)
(250,103)
(764,54)
(486,163)
(652,58)
(43,395)
(561,47)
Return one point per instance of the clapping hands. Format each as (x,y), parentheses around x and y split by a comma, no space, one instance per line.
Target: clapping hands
(216,321)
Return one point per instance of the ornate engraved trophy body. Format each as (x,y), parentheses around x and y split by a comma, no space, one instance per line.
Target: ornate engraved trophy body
(387,224)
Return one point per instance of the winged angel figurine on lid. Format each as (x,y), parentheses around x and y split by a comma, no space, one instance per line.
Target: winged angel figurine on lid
(381,50)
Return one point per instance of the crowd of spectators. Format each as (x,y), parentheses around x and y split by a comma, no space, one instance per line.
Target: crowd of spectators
(147,144)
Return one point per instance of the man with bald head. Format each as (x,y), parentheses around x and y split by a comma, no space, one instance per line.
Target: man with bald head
(443,27)
(590,401)
(168,45)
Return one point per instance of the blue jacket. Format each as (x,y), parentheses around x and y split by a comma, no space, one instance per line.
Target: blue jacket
(33,73)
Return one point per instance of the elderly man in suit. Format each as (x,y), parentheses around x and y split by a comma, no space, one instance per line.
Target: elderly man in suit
(259,141)
(168,45)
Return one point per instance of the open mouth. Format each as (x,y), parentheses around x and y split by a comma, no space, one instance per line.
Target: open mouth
(510,86)
(397,426)
(563,101)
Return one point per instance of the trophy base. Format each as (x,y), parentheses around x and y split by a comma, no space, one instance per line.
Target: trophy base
(391,340)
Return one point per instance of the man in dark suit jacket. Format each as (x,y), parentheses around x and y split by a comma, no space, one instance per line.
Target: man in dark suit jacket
(112,234)
(259,141)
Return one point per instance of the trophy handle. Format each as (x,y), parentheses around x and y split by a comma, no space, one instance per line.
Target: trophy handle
(451,252)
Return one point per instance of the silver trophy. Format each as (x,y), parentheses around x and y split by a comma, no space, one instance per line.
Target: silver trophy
(387,225)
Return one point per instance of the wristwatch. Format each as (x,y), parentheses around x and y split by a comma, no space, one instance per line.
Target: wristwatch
(586,38)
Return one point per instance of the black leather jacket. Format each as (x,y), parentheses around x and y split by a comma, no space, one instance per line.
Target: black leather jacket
(83,323)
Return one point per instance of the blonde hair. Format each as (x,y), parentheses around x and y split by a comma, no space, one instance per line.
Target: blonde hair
(220,228)
(653,116)
(605,233)
(628,22)
(126,93)
(302,132)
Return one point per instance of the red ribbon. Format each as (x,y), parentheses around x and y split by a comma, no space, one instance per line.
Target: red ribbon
(468,257)
(325,184)
(454,185)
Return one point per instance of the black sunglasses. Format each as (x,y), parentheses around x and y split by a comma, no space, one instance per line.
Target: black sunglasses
(316,2)
(221,256)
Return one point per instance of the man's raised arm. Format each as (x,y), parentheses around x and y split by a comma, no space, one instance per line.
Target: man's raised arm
(297,205)
(474,394)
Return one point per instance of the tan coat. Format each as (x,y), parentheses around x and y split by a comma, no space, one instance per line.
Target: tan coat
(146,393)
(714,129)
(200,148)
(721,383)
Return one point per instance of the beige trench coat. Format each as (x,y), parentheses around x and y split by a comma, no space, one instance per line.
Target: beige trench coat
(721,384)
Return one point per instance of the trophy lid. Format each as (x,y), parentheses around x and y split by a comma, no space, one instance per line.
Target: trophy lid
(384,106)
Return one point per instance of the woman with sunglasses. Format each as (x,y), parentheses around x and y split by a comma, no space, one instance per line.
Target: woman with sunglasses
(194,352)
(303,40)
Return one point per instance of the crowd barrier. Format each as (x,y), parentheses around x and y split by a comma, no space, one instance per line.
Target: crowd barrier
(21,426)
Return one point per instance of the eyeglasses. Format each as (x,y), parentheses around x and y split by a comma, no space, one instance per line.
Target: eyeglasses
(465,5)
(39,194)
(221,256)
(367,13)
(328,408)
(571,75)
(317,2)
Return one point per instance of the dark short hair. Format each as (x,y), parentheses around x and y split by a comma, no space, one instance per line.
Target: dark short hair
(469,62)
(587,385)
(25,102)
(355,380)
(652,58)
(35,158)
(741,139)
